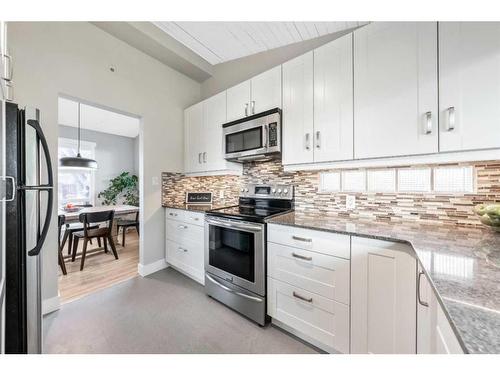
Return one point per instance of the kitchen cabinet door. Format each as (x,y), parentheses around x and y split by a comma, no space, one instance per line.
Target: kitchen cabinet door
(383,290)
(469,85)
(434,332)
(238,101)
(266,91)
(333,102)
(214,115)
(193,141)
(395,89)
(298,117)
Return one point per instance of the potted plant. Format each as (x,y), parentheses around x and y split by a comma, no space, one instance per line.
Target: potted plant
(123,187)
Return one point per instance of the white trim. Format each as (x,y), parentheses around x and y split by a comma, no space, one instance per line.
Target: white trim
(50,305)
(448,157)
(148,269)
(215,173)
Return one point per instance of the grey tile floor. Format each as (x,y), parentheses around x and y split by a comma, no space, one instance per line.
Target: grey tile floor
(163,313)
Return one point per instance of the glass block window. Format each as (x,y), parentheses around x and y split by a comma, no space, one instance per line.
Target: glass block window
(329,182)
(383,180)
(414,180)
(354,181)
(454,179)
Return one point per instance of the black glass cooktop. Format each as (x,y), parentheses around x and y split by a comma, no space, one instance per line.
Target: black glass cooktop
(248,213)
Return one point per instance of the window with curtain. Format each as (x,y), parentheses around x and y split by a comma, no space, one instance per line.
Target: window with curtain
(76,185)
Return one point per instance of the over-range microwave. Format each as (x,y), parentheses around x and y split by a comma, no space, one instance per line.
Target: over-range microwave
(256,137)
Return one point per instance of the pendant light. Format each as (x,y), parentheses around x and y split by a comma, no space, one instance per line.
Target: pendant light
(77,161)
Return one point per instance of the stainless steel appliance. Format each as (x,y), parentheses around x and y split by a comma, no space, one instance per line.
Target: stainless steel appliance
(28,208)
(257,137)
(235,248)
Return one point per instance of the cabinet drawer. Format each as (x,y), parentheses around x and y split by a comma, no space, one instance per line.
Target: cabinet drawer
(174,214)
(321,242)
(317,317)
(179,231)
(187,257)
(191,217)
(322,274)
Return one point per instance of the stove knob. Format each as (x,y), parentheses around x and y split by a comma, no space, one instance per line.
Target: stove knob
(274,191)
(285,191)
(246,190)
(279,191)
(242,190)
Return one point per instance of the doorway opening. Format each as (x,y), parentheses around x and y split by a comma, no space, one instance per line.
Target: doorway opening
(98,208)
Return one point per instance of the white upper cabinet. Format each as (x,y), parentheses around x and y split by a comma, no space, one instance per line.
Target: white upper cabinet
(298,117)
(266,91)
(214,115)
(193,127)
(395,89)
(238,101)
(255,95)
(333,110)
(469,85)
(383,290)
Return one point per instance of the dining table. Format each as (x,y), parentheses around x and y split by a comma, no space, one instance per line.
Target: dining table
(121,210)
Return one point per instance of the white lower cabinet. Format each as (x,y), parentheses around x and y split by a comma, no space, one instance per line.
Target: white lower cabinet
(383,290)
(434,332)
(308,285)
(185,239)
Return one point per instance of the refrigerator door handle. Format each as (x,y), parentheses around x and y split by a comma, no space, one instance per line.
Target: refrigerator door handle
(48,187)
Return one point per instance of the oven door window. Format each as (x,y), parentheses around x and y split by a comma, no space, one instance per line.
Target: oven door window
(232,251)
(244,140)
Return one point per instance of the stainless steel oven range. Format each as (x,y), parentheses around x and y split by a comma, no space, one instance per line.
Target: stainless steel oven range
(235,248)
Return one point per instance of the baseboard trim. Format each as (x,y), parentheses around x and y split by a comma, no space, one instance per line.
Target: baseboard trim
(50,305)
(148,269)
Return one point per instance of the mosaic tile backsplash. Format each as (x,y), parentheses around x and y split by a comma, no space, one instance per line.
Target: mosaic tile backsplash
(426,207)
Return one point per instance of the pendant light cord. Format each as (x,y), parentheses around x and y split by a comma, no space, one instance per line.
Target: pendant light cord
(78,130)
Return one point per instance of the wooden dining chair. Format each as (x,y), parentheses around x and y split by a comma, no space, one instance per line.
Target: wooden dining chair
(60,243)
(89,232)
(124,224)
(76,227)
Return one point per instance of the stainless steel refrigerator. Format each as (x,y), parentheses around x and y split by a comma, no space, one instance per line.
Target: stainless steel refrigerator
(29,198)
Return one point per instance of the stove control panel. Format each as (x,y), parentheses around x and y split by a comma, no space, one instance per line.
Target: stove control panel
(267,191)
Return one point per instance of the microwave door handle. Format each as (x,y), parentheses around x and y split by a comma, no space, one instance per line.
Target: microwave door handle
(265,136)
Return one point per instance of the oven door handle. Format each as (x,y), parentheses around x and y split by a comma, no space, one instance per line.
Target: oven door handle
(232,291)
(245,227)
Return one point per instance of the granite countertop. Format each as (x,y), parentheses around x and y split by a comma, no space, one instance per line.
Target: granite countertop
(194,207)
(463,265)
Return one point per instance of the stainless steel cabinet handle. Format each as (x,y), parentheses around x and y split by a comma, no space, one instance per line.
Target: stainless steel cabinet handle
(296,295)
(253,106)
(301,256)
(232,291)
(308,142)
(204,157)
(13,191)
(318,139)
(428,122)
(182,249)
(172,214)
(182,226)
(296,238)
(451,119)
(418,290)
(195,218)
(246,109)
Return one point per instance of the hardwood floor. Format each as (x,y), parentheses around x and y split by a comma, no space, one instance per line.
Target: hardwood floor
(101,270)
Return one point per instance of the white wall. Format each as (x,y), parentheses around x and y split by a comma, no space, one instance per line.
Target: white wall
(53,58)
(114,154)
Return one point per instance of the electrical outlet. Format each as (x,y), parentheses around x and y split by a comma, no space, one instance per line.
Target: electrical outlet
(350,202)
(155,181)
(221,194)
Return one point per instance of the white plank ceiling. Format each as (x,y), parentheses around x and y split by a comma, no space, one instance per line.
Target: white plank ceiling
(219,42)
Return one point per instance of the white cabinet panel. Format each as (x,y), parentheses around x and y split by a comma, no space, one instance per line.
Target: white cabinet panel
(315,316)
(266,91)
(383,289)
(322,274)
(238,101)
(469,85)
(193,127)
(298,116)
(214,115)
(333,101)
(395,89)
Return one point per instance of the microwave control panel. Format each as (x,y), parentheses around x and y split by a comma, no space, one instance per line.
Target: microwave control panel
(273,134)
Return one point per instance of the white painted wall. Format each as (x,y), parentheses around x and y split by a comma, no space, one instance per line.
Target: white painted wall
(73,58)
(114,154)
